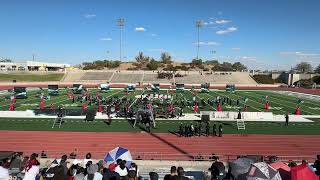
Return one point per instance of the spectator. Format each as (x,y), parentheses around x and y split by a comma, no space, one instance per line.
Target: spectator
(121,169)
(153,176)
(16,161)
(93,173)
(4,173)
(132,175)
(135,168)
(217,169)
(60,171)
(44,155)
(24,163)
(173,173)
(32,168)
(72,171)
(306,163)
(88,158)
(73,155)
(6,163)
(180,176)
(292,164)
(316,165)
(109,174)
(80,174)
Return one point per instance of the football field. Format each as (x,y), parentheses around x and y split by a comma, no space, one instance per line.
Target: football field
(254,99)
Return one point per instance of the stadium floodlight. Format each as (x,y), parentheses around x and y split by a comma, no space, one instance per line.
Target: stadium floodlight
(120,23)
(199,24)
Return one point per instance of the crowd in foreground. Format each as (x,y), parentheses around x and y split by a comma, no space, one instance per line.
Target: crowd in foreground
(29,168)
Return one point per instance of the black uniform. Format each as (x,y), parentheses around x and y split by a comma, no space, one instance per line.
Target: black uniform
(207,129)
(181,130)
(186,129)
(214,130)
(220,130)
(287,119)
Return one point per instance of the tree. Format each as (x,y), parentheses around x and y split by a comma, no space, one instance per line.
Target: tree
(226,66)
(153,64)
(238,66)
(212,62)
(196,62)
(317,70)
(303,67)
(166,58)
(141,58)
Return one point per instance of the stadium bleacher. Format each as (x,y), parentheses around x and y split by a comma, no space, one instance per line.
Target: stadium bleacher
(105,76)
(127,77)
(191,77)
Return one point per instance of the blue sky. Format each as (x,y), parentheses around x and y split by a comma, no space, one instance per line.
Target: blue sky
(267,34)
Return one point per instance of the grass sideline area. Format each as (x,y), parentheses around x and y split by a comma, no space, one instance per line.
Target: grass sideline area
(280,104)
(163,126)
(23,77)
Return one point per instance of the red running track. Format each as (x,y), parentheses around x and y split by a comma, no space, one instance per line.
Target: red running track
(163,146)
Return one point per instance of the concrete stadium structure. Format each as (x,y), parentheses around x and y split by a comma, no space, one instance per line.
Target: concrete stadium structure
(188,78)
(32,66)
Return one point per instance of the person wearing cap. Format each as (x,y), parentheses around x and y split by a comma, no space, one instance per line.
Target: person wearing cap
(153,176)
(173,173)
(93,173)
(108,173)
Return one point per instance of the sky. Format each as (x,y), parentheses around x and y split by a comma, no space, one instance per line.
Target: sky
(264,34)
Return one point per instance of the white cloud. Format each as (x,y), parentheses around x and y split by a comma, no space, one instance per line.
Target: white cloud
(89,16)
(209,43)
(236,49)
(229,30)
(249,58)
(105,39)
(299,54)
(140,29)
(222,21)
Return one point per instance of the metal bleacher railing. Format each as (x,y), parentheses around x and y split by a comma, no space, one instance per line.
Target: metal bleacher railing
(190,157)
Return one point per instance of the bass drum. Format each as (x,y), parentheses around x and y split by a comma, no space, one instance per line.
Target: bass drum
(113,109)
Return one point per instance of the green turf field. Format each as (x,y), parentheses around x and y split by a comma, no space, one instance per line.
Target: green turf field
(162,126)
(31,77)
(280,104)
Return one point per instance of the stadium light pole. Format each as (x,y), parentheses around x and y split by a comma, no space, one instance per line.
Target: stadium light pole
(120,23)
(199,24)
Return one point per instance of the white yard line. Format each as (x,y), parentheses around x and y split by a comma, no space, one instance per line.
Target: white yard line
(288,106)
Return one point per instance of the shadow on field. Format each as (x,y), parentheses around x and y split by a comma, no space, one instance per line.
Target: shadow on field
(166,142)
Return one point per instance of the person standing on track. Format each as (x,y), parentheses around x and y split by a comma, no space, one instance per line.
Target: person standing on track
(287,119)
(220,130)
(214,130)
(207,129)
